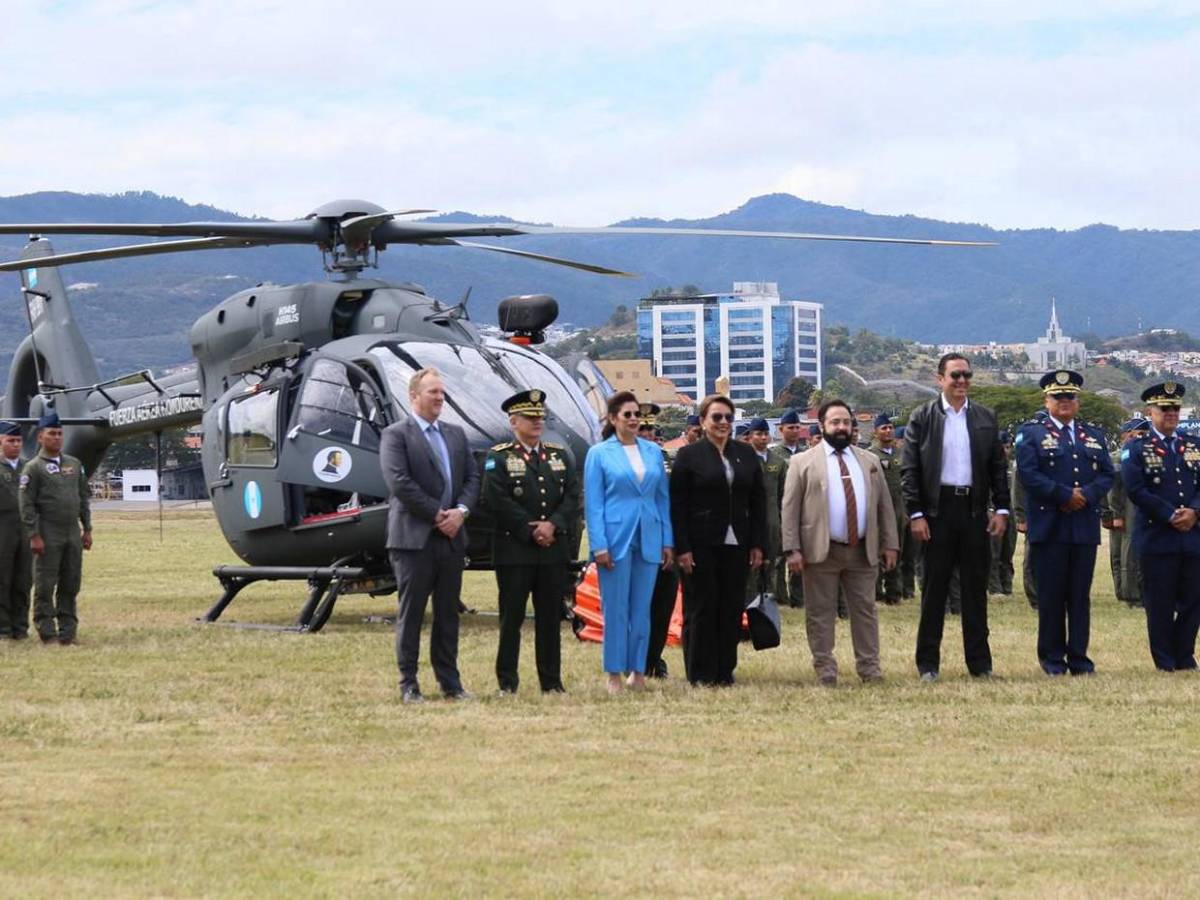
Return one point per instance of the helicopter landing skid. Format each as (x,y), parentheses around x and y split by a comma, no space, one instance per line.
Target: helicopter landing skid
(325,583)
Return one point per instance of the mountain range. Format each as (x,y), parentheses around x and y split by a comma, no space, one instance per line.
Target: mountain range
(1106,281)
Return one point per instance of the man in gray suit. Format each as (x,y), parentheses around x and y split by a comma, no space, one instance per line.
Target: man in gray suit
(434,484)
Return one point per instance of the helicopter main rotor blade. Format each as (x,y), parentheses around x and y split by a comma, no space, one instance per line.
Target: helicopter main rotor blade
(541,257)
(301,231)
(356,231)
(66,259)
(415,232)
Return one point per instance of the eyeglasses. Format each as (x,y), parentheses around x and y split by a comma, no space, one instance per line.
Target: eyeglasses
(1063,395)
(721,417)
(962,375)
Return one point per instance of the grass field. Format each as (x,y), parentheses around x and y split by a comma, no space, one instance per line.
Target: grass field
(164,758)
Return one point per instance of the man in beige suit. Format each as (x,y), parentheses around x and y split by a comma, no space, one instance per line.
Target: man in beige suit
(838,524)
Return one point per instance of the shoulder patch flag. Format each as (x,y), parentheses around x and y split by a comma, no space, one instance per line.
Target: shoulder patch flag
(1125,453)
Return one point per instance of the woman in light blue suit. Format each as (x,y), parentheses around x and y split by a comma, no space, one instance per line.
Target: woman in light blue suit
(628,514)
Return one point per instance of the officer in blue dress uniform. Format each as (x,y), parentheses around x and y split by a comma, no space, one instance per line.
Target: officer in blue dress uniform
(1066,471)
(1162,477)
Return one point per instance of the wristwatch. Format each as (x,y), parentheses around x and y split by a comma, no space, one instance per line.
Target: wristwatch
(465,512)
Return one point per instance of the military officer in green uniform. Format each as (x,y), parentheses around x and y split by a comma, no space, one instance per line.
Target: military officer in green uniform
(54,506)
(531,489)
(789,588)
(1004,548)
(666,582)
(889,585)
(15,560)
(1126,567)
(774,470)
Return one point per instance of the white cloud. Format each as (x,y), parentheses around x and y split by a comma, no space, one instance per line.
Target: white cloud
(272,108)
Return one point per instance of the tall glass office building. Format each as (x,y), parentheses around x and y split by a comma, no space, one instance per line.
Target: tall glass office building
(749,334)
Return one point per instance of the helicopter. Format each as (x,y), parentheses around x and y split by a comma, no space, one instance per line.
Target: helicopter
(294,384)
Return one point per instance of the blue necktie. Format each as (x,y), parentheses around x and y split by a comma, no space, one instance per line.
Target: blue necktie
(439,444)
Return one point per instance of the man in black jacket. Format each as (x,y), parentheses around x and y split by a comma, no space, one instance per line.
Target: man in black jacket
(953,464)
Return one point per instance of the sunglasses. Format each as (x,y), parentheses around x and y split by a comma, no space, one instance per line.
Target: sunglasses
(962,375)
(721,417)
(1165,408)
(628,414)
(1063,395)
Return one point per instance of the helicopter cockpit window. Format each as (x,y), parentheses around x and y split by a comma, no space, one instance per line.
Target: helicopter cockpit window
(253,429)
(474,389)
(564,400)
(337,405)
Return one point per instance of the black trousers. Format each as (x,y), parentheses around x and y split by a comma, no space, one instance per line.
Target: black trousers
(436,570)
(714,597)
(1171,595)
(1064,578)
(957,538)
(16,574)
(515,584)
(662,605)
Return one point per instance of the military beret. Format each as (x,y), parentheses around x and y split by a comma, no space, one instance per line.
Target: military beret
(791,417)
(1137,423)
(1004,436)
(741,430)
(1169,393)
(900,432)
(527,403)
(49,419)
(758,423)
(1061,381)
(814,430)
(693,421)
(882,419)
(9,428)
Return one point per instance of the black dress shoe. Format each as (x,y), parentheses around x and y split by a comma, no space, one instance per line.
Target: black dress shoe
(554,689)
(67,641)
(20,636)
(411,695)
(48,638)
(460,694)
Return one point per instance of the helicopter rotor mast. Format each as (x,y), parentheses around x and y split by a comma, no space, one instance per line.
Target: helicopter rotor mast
(350,233)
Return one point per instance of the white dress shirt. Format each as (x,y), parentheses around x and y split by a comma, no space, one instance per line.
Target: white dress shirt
(1067,430)
(837,494)
(956,446)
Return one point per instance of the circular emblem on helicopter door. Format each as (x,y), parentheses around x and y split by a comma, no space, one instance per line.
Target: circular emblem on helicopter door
(252,499)
(332,464)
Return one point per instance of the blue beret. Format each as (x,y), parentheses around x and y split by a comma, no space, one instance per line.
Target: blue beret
(900,431)
(693,421)
(758,423)
(9,428)
(882,419)
(49,420)
(791,417)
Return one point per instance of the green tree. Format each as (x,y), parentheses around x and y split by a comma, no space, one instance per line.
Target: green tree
(795,394)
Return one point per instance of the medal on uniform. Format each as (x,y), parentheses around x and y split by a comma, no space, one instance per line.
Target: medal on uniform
(518,491)
(515,465)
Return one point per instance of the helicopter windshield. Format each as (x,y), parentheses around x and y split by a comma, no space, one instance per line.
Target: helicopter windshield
(476,384)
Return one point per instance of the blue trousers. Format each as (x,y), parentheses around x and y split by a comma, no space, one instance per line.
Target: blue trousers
(1171,595)
(625,592)
(1064,586)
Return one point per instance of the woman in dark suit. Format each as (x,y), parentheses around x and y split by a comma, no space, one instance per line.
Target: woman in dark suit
(629,532)
(719,518)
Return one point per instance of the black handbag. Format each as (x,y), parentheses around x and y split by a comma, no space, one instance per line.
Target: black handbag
(762,615)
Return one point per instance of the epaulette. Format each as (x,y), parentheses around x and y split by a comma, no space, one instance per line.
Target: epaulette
(550,446)
(505,446)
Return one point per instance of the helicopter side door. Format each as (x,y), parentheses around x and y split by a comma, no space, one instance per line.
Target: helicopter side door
(253,491)
(331,452)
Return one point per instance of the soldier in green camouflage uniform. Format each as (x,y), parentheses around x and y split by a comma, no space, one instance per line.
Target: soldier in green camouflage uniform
(1126,567)
(54,504)
(1004,548)
(16,564)
(889,585)
(531,489)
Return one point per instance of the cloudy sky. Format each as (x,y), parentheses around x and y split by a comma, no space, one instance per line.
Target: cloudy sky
(1017,114)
